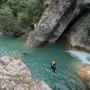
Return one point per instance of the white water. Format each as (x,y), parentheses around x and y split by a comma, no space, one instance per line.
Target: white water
(84,57)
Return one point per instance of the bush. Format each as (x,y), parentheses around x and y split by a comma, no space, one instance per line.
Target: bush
(19,16)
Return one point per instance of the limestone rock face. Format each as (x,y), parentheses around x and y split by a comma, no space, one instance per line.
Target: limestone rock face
(84,74)
(55,19)
(80,32)
(14,75)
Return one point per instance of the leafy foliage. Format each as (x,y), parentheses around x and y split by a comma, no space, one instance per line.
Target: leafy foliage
(19,16)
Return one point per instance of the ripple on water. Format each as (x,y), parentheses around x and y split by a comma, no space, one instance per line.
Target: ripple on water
(81,55)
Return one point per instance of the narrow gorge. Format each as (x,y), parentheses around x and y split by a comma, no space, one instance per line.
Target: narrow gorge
(33,33)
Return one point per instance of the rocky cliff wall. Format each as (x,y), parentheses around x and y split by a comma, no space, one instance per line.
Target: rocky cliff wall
(80,32)
(51,20)
(56,20)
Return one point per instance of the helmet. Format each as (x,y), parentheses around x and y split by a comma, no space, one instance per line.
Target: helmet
(53,62)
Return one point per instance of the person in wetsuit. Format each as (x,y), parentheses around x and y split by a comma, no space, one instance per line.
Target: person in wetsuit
(53,66)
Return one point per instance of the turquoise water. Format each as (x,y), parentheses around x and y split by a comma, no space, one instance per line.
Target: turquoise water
(38,61)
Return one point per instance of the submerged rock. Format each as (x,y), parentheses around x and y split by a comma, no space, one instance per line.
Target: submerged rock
(84,74)
(14,75)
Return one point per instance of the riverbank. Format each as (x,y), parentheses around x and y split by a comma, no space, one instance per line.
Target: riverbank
(15,75)
(84,73)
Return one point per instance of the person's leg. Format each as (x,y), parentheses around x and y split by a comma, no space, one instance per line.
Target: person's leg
(52,69)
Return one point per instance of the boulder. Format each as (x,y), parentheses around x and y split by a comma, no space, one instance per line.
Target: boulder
(84,74)
(14,75)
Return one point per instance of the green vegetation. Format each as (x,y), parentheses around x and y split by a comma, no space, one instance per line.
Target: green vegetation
(19,16)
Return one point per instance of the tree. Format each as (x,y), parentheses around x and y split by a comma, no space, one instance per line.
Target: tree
(19,16)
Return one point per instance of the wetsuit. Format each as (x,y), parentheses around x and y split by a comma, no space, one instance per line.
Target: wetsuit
(53,67)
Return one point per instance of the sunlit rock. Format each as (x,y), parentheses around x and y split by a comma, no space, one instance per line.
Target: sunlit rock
(84,74)
(14,75)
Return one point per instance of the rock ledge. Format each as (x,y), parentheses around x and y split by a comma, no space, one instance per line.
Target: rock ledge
(14,75)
